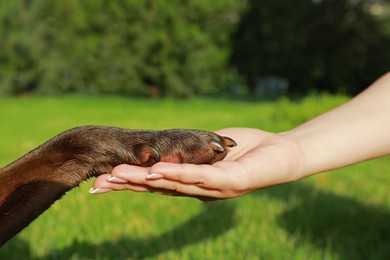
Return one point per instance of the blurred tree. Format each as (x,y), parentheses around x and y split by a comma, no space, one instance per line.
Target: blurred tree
(167,47)
(18,60)
(181,48)
(333,45)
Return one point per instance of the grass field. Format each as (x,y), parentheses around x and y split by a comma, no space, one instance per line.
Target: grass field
(344,214)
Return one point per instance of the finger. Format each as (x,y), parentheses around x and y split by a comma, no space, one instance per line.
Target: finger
(130,173)
(220,174)
(183,173)
(162,187)
(171,187)
(101,181)
(177,194)
(134,176)
(102,185)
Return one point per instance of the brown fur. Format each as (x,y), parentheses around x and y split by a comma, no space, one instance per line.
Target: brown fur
(32,183)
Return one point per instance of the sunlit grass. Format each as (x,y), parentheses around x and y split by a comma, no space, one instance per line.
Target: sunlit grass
(342,215)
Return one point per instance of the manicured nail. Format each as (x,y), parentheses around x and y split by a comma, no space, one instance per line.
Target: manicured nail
(154,176)
(98,191)
(116,179)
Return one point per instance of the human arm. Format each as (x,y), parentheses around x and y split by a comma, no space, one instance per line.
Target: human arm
(354,132)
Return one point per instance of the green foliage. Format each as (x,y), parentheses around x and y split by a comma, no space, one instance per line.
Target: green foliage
(340,215)
(136,47)
(183,48)
(333,45)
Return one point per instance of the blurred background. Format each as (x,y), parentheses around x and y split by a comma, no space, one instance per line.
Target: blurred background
(186,48)
(201,64)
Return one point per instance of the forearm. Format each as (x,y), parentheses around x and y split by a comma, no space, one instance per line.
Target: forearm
(356,131)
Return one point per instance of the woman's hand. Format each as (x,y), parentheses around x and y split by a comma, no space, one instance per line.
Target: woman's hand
(260,159)
(351,133)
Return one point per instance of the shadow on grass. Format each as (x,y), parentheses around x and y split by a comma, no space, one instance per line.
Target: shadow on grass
(215,219)
(339,224)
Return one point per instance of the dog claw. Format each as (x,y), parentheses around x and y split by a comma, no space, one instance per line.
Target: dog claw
(155,153)
(229,142)
(217,146)
(150,155)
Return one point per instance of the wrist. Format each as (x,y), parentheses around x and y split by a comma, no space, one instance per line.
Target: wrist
(291,157)
(308,160)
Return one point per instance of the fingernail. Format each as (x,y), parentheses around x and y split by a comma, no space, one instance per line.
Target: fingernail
(98,191)
(116,179)
(154,176)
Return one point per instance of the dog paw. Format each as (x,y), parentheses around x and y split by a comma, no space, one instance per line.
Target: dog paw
(191,146)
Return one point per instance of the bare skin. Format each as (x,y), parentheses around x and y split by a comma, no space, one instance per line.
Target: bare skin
(354,132)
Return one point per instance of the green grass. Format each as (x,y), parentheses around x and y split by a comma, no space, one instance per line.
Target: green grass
(344,214)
